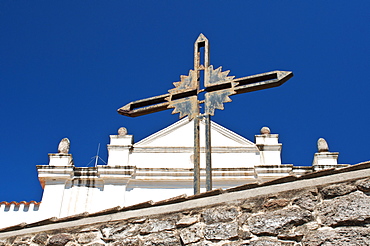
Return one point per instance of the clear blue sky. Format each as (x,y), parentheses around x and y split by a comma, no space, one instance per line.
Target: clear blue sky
(67,66)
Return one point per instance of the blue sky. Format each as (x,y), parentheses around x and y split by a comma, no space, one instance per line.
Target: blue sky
(67,66)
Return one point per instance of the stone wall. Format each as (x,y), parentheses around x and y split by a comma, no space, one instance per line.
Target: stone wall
(335,214)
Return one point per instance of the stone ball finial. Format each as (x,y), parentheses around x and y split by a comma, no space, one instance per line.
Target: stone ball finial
(122,131)
(265,130)
(63,146)
(322,145)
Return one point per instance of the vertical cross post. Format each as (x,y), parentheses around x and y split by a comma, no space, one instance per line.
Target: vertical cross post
(196,156)
(201,42)
(208,150)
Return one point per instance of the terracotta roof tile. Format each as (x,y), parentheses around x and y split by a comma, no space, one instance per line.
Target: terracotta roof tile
(172,200)
(243,187)
(138,206)
(318,173)
(14,227)
(105,211)
(74,217)
(43,222)
(206,194)
(355,167)
(286,179)
(19,203)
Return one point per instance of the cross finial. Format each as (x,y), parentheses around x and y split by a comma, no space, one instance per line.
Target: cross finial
(218,87)
(201,38)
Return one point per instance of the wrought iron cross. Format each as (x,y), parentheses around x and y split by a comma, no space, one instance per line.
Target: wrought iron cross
(184,98)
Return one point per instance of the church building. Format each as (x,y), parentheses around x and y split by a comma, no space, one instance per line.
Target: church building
(156,168)
(162,191)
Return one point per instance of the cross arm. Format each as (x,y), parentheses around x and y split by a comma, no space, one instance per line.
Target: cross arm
(245,84)
(145,106)
(262,81)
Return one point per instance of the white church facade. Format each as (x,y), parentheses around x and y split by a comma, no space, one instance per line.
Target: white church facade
(156,168)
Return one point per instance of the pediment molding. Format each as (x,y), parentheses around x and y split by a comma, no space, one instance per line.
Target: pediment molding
(180,134)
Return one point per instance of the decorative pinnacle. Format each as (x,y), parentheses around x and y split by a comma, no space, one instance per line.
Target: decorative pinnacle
(64,145)
(322,145)
(122,131)
(265,130)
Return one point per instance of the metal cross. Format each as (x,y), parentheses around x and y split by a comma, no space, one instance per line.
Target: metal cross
(184,98)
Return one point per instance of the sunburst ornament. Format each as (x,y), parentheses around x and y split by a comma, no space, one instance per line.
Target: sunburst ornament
(215,77)
(187,89)
(218,86)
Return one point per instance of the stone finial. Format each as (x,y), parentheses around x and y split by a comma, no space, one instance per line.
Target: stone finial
(122,131)
(322,145)
(63,146)
(265,130)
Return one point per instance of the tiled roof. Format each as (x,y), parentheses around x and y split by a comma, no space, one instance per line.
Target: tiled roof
(19,203)
(182,198)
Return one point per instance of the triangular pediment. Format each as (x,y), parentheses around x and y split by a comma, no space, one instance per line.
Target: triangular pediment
(181,134)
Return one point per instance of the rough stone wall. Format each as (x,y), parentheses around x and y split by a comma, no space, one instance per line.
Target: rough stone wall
(336,214)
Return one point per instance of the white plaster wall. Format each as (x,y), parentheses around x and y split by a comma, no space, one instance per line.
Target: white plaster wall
(113,194)
(270,158)
(52,198)
(161,160)
(118,156)
(13,215)
(79,199)
(181,134)
(234,160)
(325,158)
(185,160)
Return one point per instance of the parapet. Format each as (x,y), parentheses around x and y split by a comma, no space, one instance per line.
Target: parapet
(22,206)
